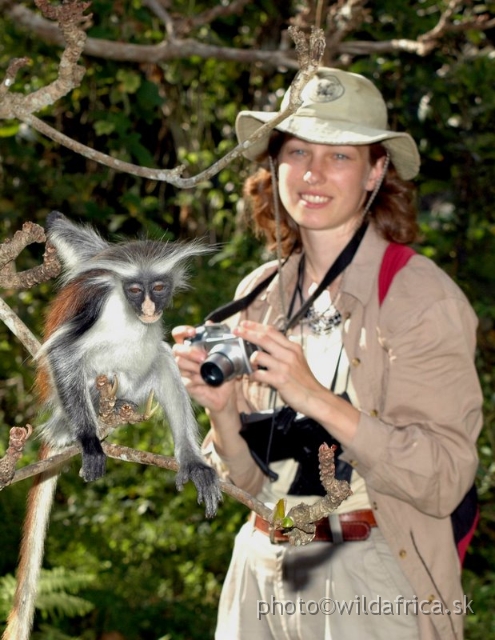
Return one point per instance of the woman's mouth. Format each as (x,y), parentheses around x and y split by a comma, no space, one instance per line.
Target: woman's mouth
(313,198)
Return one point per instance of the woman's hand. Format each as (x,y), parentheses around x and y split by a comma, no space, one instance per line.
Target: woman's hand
(282,365)
(189,359)
(221,405)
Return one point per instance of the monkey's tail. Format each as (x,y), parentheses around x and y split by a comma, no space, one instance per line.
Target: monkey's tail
(39,506)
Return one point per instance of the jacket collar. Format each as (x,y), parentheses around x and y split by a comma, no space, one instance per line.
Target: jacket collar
(359,277)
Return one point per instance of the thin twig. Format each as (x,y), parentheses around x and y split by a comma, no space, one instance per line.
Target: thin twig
(18,328)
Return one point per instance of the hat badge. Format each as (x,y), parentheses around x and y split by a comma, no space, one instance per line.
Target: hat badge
(326,90)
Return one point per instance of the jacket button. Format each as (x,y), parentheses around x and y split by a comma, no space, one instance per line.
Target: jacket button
(431,598)
(374,505)
(355,362)
(402,553)
(374,413)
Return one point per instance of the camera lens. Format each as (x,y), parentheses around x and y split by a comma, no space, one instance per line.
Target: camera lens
(216,369)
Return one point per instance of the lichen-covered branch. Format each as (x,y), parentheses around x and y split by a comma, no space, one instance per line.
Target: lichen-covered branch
(10,279)
(17,441)
(14,66)
(299,523)
(71,23)
(9,476)
(343,17)
(310,52)
(301,517)
(10,250)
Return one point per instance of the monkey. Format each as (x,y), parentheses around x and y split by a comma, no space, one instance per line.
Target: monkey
(105,320)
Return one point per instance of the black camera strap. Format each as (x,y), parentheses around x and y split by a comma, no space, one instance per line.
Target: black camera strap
(343,260)
(341,263)
(231,308)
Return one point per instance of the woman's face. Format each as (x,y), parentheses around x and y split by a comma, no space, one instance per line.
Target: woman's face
(323,187)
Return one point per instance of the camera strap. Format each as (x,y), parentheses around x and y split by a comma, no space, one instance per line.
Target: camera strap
(342,262)
(231,308)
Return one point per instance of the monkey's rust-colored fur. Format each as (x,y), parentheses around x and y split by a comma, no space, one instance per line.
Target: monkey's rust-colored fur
(71,300)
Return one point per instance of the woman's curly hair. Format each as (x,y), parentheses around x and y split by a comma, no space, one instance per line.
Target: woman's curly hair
(393,211)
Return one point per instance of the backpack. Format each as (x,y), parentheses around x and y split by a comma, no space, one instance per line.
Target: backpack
(466,515)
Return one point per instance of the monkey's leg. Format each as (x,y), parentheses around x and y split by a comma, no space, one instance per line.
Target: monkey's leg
(76,403)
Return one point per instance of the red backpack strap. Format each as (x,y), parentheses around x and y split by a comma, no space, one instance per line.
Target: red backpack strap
(395,257)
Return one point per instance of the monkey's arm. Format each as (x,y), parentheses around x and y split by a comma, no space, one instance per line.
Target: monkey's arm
(174,399)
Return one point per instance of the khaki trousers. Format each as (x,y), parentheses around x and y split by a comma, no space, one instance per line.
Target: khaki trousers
(325,591)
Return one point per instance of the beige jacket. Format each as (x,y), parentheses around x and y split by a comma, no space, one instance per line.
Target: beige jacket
(412,366)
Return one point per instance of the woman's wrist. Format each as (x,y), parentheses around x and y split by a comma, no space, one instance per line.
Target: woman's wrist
(336,415)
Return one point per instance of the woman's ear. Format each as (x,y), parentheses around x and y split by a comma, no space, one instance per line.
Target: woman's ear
(378,172)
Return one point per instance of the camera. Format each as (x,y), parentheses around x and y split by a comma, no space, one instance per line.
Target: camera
(228,355)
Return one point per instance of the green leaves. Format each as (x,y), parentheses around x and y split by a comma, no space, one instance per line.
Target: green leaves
(56,594)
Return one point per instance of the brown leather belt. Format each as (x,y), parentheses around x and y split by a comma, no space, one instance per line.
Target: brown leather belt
(352,526)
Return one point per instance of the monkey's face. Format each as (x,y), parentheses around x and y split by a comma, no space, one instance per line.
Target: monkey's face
(148,298)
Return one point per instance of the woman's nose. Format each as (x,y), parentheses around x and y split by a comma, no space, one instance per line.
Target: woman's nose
(312,177)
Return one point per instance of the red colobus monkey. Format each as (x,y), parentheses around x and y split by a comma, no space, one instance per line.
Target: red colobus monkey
(105,321)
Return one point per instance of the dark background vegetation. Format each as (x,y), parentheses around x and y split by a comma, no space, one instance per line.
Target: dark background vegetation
(129,557)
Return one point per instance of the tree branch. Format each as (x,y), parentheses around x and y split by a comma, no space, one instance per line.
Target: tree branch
(11,248)
(18,328)
(301,518)
(343,17)
(71,23)
(9,278)
(310,52)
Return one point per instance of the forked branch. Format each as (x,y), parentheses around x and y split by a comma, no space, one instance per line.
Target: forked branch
(72,22)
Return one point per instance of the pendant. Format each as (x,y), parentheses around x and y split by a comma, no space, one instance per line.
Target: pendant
(323,324)
(323,317)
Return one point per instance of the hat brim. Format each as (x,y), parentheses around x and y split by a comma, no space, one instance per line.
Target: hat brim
(403,150)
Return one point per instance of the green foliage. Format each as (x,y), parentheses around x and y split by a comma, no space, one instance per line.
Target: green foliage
(159,564)
(56,598)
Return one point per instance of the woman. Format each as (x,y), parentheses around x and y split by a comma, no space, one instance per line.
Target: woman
(392,381)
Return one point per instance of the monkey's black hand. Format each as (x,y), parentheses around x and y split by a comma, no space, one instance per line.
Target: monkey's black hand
(93,459)
(205,480)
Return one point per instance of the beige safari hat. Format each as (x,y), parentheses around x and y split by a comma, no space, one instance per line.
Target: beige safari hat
(341,108)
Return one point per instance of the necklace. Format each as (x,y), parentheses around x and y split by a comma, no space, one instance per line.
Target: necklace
(320,313)
(322,317)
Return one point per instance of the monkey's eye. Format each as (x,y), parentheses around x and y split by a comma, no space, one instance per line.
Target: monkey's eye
(135,289)
(159,286)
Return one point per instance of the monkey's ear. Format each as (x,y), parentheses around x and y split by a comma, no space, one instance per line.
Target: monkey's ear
(176,260)
(75,244)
